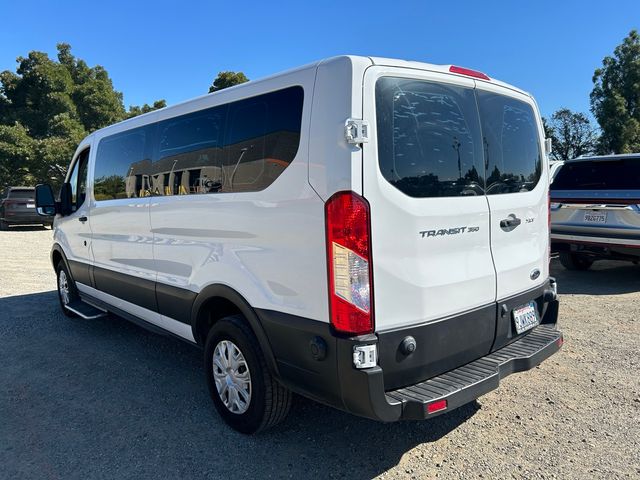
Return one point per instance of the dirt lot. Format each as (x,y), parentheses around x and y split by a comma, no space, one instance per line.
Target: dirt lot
(106,399)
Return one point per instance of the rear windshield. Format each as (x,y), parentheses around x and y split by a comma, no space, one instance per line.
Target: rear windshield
(22,194)
(438,140)
(623,174)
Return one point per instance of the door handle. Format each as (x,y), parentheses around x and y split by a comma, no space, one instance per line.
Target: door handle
(510,222)
(82,219)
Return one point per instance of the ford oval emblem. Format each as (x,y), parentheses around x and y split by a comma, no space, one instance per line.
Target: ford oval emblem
(535,273)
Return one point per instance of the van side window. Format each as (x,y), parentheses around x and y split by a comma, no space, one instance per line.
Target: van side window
(429,138)
(245,145)
(78,180)
(237,147)
(189,157)
(121,170)
(511,144)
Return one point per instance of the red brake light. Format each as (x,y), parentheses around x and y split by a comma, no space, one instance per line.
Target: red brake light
(436,406)
(468,72)
(349,263)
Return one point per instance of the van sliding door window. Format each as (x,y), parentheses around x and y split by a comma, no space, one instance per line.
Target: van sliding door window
(511,146)
(429,142)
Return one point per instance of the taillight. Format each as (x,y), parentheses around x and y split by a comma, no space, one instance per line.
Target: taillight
(349,260)
(468,72)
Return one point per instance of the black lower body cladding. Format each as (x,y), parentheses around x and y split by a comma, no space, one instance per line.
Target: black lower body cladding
(477,348)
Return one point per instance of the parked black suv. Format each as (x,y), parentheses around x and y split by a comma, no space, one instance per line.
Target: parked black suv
(18,207)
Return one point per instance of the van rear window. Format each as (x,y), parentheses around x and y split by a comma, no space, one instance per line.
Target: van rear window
(429,141)
(623,174)
(438,140)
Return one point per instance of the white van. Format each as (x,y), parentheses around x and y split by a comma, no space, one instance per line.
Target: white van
(369,233)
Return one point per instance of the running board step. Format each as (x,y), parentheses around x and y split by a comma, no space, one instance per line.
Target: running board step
(464,384)
(84,310)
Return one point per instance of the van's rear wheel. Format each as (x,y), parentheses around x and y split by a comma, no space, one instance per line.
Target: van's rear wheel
(67,292)
(243,390)
(574,261)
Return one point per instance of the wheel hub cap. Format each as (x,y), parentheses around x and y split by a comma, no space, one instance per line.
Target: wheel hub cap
(63,287)
(232,377)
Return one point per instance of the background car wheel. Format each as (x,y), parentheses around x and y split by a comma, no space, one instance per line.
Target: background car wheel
(4,225)
(243,390)
(574,261)
(67,292)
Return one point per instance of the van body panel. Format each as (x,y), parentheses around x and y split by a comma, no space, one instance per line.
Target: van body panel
(334,164)
(74,236)
(431,276)
(521,251)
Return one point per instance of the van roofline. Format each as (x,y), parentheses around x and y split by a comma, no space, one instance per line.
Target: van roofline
(604,158)
(363,60)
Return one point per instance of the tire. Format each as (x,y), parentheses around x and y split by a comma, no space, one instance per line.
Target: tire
(574,261)
(246,407)
(4,225)
(67,291)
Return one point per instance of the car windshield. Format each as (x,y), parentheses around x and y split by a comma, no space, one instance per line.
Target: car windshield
(618,174)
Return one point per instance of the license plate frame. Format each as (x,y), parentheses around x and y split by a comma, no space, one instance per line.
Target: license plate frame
(525,317)
(595,217)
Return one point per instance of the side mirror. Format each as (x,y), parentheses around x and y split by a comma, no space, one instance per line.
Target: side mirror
(45,202)
(548,146)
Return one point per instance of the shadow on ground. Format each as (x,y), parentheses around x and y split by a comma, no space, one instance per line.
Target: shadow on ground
(603,278)
(105,398)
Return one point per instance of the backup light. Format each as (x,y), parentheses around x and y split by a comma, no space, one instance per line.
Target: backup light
(349,263)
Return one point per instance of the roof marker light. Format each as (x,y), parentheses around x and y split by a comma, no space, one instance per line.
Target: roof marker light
(468,72)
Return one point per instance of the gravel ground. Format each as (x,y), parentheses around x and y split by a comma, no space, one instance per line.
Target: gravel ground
(106,399)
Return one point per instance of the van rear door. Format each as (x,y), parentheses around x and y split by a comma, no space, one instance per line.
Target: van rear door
(516,188)
(430,239)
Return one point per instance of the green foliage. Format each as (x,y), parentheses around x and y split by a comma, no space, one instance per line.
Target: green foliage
(572,134)
(135,110)
(227,79)
(46,108)
(615,99)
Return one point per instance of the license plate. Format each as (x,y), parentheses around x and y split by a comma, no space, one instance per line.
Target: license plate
(31,205)
(595,217)
(525,317)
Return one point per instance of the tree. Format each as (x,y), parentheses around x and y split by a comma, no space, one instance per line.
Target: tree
(227,79)
(615,99)
(135,110)
(47,107)
(572,134)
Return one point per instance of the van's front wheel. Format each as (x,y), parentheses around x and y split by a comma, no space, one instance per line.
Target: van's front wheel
(67,291)
(243,390)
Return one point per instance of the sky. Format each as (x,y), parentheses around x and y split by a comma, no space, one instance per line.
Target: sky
(173,50)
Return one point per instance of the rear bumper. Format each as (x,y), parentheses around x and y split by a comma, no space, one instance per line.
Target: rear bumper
(364,393)
(26,219)
(314,361)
